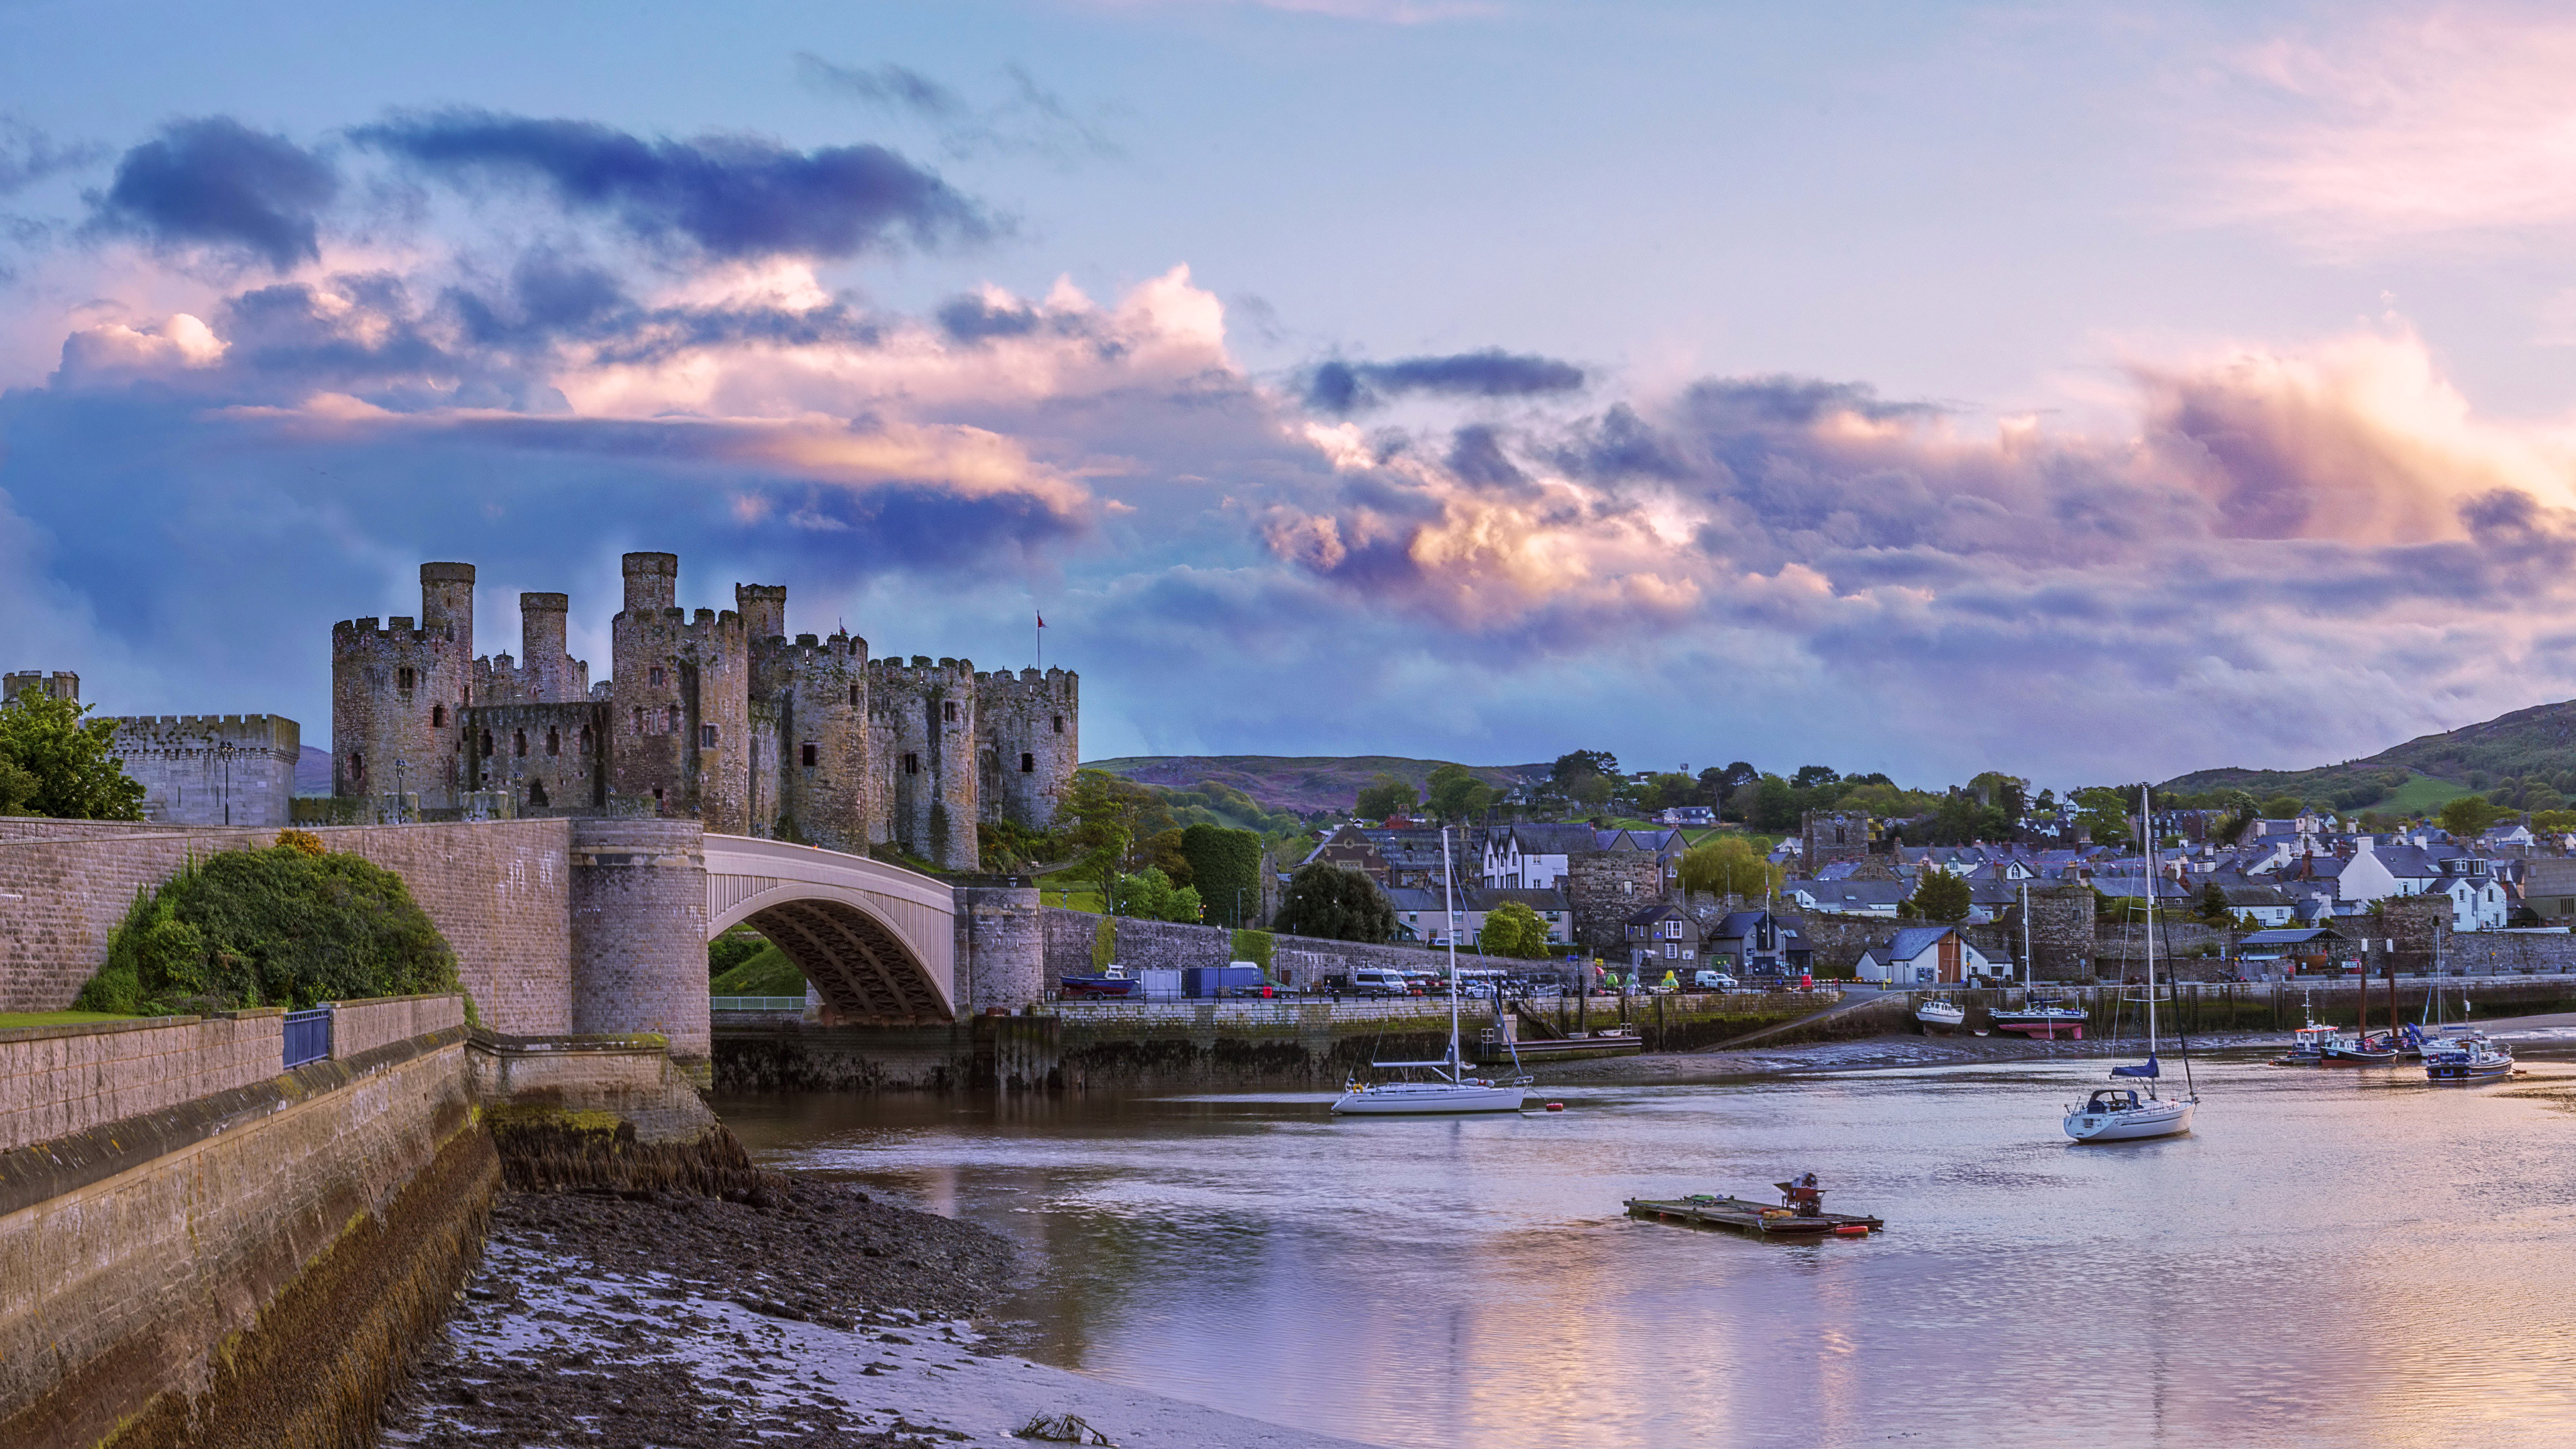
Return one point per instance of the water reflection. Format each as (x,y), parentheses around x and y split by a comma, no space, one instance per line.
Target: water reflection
(2332,1255)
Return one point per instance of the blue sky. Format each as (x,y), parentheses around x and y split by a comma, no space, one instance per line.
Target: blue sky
(2095,394)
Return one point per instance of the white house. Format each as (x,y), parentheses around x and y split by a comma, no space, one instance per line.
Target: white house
(2478,900)
(1532,857)
(1926,956)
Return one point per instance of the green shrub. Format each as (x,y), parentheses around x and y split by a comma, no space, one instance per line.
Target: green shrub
(1255,947)
(276,927)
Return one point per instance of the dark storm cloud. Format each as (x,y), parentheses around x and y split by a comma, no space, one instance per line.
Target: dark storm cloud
(728,197)
(1346,387)
(214,182)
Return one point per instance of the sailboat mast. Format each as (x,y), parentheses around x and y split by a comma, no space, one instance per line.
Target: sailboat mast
(2025,942)
(1449,899)
(2147,846)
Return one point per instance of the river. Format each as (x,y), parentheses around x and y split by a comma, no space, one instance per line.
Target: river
(2331,1257)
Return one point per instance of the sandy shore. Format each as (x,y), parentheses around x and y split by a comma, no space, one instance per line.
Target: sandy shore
(810,1318)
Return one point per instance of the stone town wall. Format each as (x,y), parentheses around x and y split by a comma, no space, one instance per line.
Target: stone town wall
(246,1267)
(499,891)
(58,1080)
(639,930)
(1142,945)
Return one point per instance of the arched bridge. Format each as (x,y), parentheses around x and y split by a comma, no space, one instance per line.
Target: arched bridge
(877,941)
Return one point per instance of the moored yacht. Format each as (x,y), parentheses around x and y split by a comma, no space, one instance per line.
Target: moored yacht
(2122,1113)
(1940,1013)
(1448,1091)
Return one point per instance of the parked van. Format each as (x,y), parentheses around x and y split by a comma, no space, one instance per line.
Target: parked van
(1378,981)
(1713,981)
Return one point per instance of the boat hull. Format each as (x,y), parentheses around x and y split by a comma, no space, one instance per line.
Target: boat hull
(1752,1219)
(2157,1118)
(2071,1028)
(1943,1022)
(1429,1099)
(2348,1057)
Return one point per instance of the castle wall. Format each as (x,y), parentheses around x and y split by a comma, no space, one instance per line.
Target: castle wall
(545,756)
(819,723)
(928,714)
(1032,744)
(189,777)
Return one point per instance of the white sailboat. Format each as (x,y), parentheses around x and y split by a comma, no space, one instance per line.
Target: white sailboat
(2123,1113)
(1449,1090)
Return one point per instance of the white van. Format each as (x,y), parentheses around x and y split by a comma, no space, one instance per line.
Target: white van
(1378,981)
(1713,981)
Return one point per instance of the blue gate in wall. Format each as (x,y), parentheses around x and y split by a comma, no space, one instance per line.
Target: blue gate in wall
(308,1036)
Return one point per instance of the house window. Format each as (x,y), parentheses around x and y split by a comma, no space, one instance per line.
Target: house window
(654,677)
(1028,763)
(1672,930)
(554,741)
(519,744)
(1672,952)
(1059,723)
(809,754)
(911,763)
(948,710)
(706,737)
(438,716)
(403,680)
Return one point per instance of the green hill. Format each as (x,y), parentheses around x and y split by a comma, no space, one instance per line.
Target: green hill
(1302,783)
(2524,759)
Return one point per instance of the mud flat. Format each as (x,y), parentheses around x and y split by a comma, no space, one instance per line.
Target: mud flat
(799,1313)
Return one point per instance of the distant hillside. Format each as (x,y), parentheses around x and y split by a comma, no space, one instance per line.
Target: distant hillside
(313,772)
(1304,783)
(2539,742)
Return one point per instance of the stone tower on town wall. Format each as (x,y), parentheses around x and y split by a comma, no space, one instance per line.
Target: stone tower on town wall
(720,717)
(397,692)
(1032,743)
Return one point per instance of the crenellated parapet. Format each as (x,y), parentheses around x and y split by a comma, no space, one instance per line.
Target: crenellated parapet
(397,688)
(1032,743)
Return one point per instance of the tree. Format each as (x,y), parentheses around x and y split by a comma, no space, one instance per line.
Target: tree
(1456,795)
(1150,895)
(2213,905)
(1513,929)
(1720,786)
(2282,807)
(1962,821)
(1776,805)
(1575,763)
(1225,866)
(1811,776)
(1386,795)
(2103,811)
(1729,864)
(1941,896)
(2469,816)
(1593,791)
(2553,822)
(1333,904)
(54,763)
(1666,792)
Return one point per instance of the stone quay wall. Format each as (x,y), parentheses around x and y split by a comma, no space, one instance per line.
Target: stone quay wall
(248,1266)
(1066,936)
(362,1026)
(58,1080)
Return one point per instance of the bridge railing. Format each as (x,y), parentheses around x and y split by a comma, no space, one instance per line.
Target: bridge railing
(756,1003)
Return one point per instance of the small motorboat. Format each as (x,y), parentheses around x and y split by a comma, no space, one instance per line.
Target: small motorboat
(1940,1014)
(2307,1046)
(2470,1058)
(2376,1050)
(1113,984)
(2041,1016)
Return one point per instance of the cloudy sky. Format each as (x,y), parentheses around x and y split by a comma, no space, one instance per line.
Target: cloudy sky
(2094,392)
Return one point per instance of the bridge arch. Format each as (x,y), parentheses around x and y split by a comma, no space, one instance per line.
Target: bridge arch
(877,941)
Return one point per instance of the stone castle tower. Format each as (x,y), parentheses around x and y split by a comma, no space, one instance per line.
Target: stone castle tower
(720,716)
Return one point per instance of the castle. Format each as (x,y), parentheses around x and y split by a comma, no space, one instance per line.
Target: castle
(720,716)
(210,769)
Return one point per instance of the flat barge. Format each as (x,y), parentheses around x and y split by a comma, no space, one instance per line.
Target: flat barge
(1753,1219)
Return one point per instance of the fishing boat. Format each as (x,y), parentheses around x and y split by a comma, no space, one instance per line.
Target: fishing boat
(2375,1050)
(1113,984)
(2471,1058)
(2121,1113)
(1447,1090)
(2037,1016)
(2307,1045)
(1940,1014)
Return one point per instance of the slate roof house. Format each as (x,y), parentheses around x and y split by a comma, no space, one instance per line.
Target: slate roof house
(1759,943)
(1925,956)
(1666,933)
